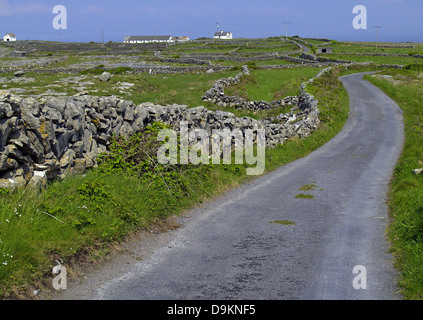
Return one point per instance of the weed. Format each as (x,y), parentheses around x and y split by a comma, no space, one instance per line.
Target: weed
(97,70)
(121,70)
(308,187)
(284,222)
(414,67)
(304,196)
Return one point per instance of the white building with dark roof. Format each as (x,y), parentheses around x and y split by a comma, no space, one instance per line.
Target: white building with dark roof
(223,35)
(9,37)
(147,39)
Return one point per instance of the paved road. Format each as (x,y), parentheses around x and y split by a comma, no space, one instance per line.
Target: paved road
(305,48)
(228,249)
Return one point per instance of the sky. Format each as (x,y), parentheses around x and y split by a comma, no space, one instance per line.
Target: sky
(98,20)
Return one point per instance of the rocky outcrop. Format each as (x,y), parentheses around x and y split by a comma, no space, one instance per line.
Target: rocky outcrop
(17,54)
(105,76)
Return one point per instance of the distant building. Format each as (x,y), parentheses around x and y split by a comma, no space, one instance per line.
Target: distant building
(223,35)
(324,50)
(180,39)
(147,39)
(9,37)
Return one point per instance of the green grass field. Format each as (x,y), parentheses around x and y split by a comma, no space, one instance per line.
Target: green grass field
(360,47)
(374,59)
(406,192)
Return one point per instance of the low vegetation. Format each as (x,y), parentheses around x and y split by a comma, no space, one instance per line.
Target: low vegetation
(406,200)
(308,187)
(284,222)
(304,196)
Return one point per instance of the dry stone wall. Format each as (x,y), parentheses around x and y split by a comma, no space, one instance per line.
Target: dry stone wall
(216,95)
(46,141)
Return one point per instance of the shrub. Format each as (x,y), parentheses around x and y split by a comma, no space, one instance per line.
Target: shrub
(120,70)
(137,156)
(251,65)
(414,67)
(97,70)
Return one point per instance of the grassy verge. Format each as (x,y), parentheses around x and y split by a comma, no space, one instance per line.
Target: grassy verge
(357,47)
(375,59)
(406,200)
(79,218)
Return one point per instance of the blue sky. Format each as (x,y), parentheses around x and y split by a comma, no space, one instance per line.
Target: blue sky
(401,20)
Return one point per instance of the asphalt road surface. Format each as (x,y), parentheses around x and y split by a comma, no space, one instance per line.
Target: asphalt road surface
(305,48)
(229,249)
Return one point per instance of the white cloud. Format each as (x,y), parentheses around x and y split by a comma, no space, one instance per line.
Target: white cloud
(7,10)
(31,7)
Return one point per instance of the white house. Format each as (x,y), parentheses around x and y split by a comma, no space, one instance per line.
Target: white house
(147,39)
(180,39)
(223,35)
(9,37)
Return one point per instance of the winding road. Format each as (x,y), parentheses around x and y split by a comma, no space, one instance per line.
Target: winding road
(229,249)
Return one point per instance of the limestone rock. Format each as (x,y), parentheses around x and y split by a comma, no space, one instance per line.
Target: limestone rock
(9,184)
(19,73)
(38,180)
(6,127)
(105,76)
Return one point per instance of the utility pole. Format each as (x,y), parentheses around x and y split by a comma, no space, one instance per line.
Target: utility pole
(286,23)
(377,31)
(102,35)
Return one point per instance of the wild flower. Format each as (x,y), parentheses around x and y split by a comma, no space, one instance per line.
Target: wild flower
(5,259)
